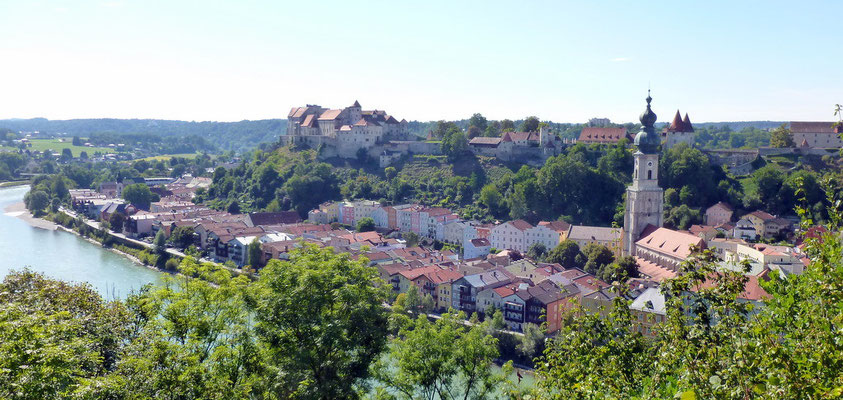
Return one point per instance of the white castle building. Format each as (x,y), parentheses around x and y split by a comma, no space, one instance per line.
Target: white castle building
(343,131)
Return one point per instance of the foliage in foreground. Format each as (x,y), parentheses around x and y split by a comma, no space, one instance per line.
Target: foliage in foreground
(308,328)
(714,345)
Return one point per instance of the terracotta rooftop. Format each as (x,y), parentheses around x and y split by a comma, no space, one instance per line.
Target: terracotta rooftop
(670,242)
(653,270)
(812,127)
(602,135)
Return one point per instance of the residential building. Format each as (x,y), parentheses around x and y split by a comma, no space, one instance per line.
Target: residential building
(476,248)
(609,237)
(745,229)
(510,235)
(719,213)
(464,290)
(648,310)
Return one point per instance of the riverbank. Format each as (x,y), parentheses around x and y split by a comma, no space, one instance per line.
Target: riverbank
(18,210)
(9,184)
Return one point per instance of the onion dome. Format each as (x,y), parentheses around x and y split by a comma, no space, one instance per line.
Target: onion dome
(647,140)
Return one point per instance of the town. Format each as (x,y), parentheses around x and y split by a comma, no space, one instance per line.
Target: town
(532,273)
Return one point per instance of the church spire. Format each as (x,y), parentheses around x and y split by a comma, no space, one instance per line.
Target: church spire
(646,140)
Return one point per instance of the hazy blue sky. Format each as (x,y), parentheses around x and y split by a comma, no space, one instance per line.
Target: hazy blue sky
(425,60)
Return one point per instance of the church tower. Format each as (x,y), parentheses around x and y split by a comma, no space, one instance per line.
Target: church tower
(644,197)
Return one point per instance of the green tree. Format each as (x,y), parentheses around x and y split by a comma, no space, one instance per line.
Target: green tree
(58,188)
(491,197)
(507,126)
(139,195)
(66,155)
(254,254)
(682,217)
(37,201)
(56,338)
(537,251)
(182,236)
(454,144)
(412,238)
(390,173)
(443,359)
(116,221)
(781,137)
(160,243)
(531,343)
(619,271)
(365,224)
(566,254)
(530,124)
(322,323)
(479,121)
(597,257)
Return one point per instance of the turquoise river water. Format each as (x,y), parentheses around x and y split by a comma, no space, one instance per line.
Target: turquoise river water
(65,256)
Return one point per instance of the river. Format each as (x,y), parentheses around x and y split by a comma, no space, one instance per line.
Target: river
(65,256)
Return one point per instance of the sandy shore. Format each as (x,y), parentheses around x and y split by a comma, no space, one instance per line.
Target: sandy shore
(19,210)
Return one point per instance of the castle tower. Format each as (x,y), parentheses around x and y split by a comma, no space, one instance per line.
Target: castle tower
(355,112)
(644,197)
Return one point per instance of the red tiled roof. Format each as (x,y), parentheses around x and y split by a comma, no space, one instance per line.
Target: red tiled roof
(558,226)
(679,125)
(653,270)
(443,275)
(668,241)
(763,215)
(593,134)
(520,224)
(812,127)
(330,115)
(723,205)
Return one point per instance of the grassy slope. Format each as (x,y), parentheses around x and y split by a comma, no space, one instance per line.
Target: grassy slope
(56,146)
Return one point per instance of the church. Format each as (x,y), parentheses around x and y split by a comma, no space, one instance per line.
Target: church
(644,197)
(658,251)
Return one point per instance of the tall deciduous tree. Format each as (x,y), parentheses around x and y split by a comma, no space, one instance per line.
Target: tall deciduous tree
(139,195)
(444,359)
(321,318)
(781,137)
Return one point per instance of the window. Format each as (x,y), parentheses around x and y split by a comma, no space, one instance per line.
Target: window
(649,174)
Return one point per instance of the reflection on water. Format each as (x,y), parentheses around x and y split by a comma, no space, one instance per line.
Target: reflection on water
(65,256)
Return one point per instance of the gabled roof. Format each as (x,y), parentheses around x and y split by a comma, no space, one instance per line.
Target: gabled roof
(520,224)
(558,226)
(519,136)
(812,127)
(602,135)
(330,115)
(443,276)
(722,205)
(485,141)
(653,270)
(670,242)
(763,215)
(356,104)
(597,233)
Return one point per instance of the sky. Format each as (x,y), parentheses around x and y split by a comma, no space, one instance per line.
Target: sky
(421,60)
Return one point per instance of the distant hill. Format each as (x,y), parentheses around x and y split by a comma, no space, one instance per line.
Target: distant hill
(238,136)
(738,125)
(246,135)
